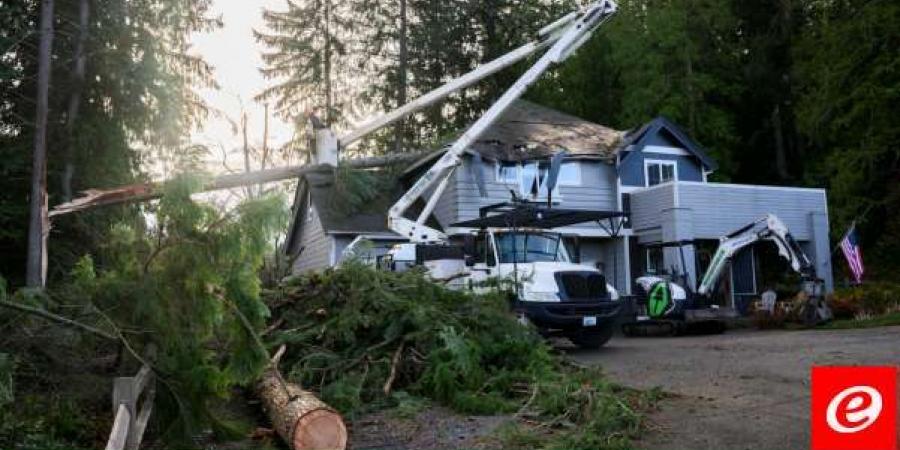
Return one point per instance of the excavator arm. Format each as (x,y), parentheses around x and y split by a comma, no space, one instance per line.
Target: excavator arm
(768,228)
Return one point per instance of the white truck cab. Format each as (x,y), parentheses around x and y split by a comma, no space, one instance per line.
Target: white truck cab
(545,286)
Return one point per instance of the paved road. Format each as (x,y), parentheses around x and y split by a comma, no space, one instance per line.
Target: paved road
(739,390)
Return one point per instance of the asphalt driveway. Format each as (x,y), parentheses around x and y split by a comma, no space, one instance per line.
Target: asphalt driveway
(739,390)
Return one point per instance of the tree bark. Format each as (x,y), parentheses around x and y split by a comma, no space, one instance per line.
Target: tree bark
(780,150)
(78,75)
(39,224)
(93,198)
(265,145)
(301,419)
(402,67)
(248,190)
(329,107)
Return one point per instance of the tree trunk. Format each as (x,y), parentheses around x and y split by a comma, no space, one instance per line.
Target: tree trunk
(329,107)
(780,150)
(75,98)
(402,67)
(39,224)
(265,146)
(93,198)
(301,419)
(248,191)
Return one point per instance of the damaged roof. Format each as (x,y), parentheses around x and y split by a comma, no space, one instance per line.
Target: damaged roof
(527,130)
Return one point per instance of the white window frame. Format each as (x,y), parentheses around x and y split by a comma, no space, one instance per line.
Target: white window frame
(557,197)
(661,162)
(518,166)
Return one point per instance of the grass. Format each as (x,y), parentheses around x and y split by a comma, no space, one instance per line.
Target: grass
(884,320)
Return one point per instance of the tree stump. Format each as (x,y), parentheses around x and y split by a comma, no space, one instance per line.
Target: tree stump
(301,419)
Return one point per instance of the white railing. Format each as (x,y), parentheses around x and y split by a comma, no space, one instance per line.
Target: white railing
(132,414)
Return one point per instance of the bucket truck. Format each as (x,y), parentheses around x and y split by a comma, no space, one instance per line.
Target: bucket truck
(515,246)
(665,303)
(548,289)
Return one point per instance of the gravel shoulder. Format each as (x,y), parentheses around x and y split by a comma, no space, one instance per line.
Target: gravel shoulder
(740,390)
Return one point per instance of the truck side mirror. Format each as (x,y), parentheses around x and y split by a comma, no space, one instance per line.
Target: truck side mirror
(469,247)
(470,261)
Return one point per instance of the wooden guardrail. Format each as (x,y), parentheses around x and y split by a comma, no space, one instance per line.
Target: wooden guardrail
(132,414)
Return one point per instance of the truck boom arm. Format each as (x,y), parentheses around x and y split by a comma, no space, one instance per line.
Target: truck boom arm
(773,230)
(573,31)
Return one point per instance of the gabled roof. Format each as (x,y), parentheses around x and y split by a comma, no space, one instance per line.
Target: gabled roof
(337,211)
(639,138)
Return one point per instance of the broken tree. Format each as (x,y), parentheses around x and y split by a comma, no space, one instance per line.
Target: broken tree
(93,198)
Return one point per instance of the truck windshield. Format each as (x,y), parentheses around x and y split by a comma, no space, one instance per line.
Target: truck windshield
(530,247)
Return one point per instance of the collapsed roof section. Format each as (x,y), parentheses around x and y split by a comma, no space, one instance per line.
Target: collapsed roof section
(528,131)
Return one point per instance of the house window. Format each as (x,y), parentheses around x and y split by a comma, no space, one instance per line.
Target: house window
(531,177)
(508,172)
(658,172)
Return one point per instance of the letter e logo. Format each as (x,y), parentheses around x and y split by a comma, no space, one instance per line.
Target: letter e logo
(854,408)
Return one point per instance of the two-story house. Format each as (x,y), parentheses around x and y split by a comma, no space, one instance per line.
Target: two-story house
(656,174)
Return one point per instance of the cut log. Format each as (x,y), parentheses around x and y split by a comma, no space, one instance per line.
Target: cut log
(301,419)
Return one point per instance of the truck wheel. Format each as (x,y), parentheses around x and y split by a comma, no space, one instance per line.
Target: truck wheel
(592,340)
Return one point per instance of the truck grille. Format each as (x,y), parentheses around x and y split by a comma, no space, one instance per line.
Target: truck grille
(580,286)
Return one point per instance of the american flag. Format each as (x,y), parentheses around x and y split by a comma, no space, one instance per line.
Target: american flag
(850,247)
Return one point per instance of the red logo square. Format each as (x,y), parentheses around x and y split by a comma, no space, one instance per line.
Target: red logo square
(854,408)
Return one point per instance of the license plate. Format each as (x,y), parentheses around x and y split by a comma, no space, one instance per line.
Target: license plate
(643,318)
(589,321)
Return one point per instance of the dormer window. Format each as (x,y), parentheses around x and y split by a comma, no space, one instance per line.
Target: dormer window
(659,172)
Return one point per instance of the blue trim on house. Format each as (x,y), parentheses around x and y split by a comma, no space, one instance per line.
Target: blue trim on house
(647,134)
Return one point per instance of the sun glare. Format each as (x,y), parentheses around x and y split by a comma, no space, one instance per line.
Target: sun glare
(235,56)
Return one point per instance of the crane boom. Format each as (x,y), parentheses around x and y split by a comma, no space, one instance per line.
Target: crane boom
(570,33)
(546,37)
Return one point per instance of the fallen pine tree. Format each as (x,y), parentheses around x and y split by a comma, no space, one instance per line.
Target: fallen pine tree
(364,339)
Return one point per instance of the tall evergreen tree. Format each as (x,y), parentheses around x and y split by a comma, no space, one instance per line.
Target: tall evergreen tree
(848,72)
(308,59)
(137,105)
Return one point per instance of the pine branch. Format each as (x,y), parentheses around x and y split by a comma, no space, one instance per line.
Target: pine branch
(58,319)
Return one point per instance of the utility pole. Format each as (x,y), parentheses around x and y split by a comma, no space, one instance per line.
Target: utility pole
(39,224)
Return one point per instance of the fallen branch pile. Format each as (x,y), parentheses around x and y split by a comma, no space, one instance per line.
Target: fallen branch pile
(364,340)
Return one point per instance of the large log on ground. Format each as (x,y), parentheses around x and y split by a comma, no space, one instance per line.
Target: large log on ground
(301,419)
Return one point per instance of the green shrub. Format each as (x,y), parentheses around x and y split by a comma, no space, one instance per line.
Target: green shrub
(868,299)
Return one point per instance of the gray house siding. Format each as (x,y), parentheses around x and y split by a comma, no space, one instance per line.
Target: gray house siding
(463,198)
(609,256)
(340,244)
(646,206)
(632,169)
(315,245)
(719,208)
(677,211)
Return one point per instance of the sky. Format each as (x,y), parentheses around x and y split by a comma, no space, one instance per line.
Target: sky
(235,55)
